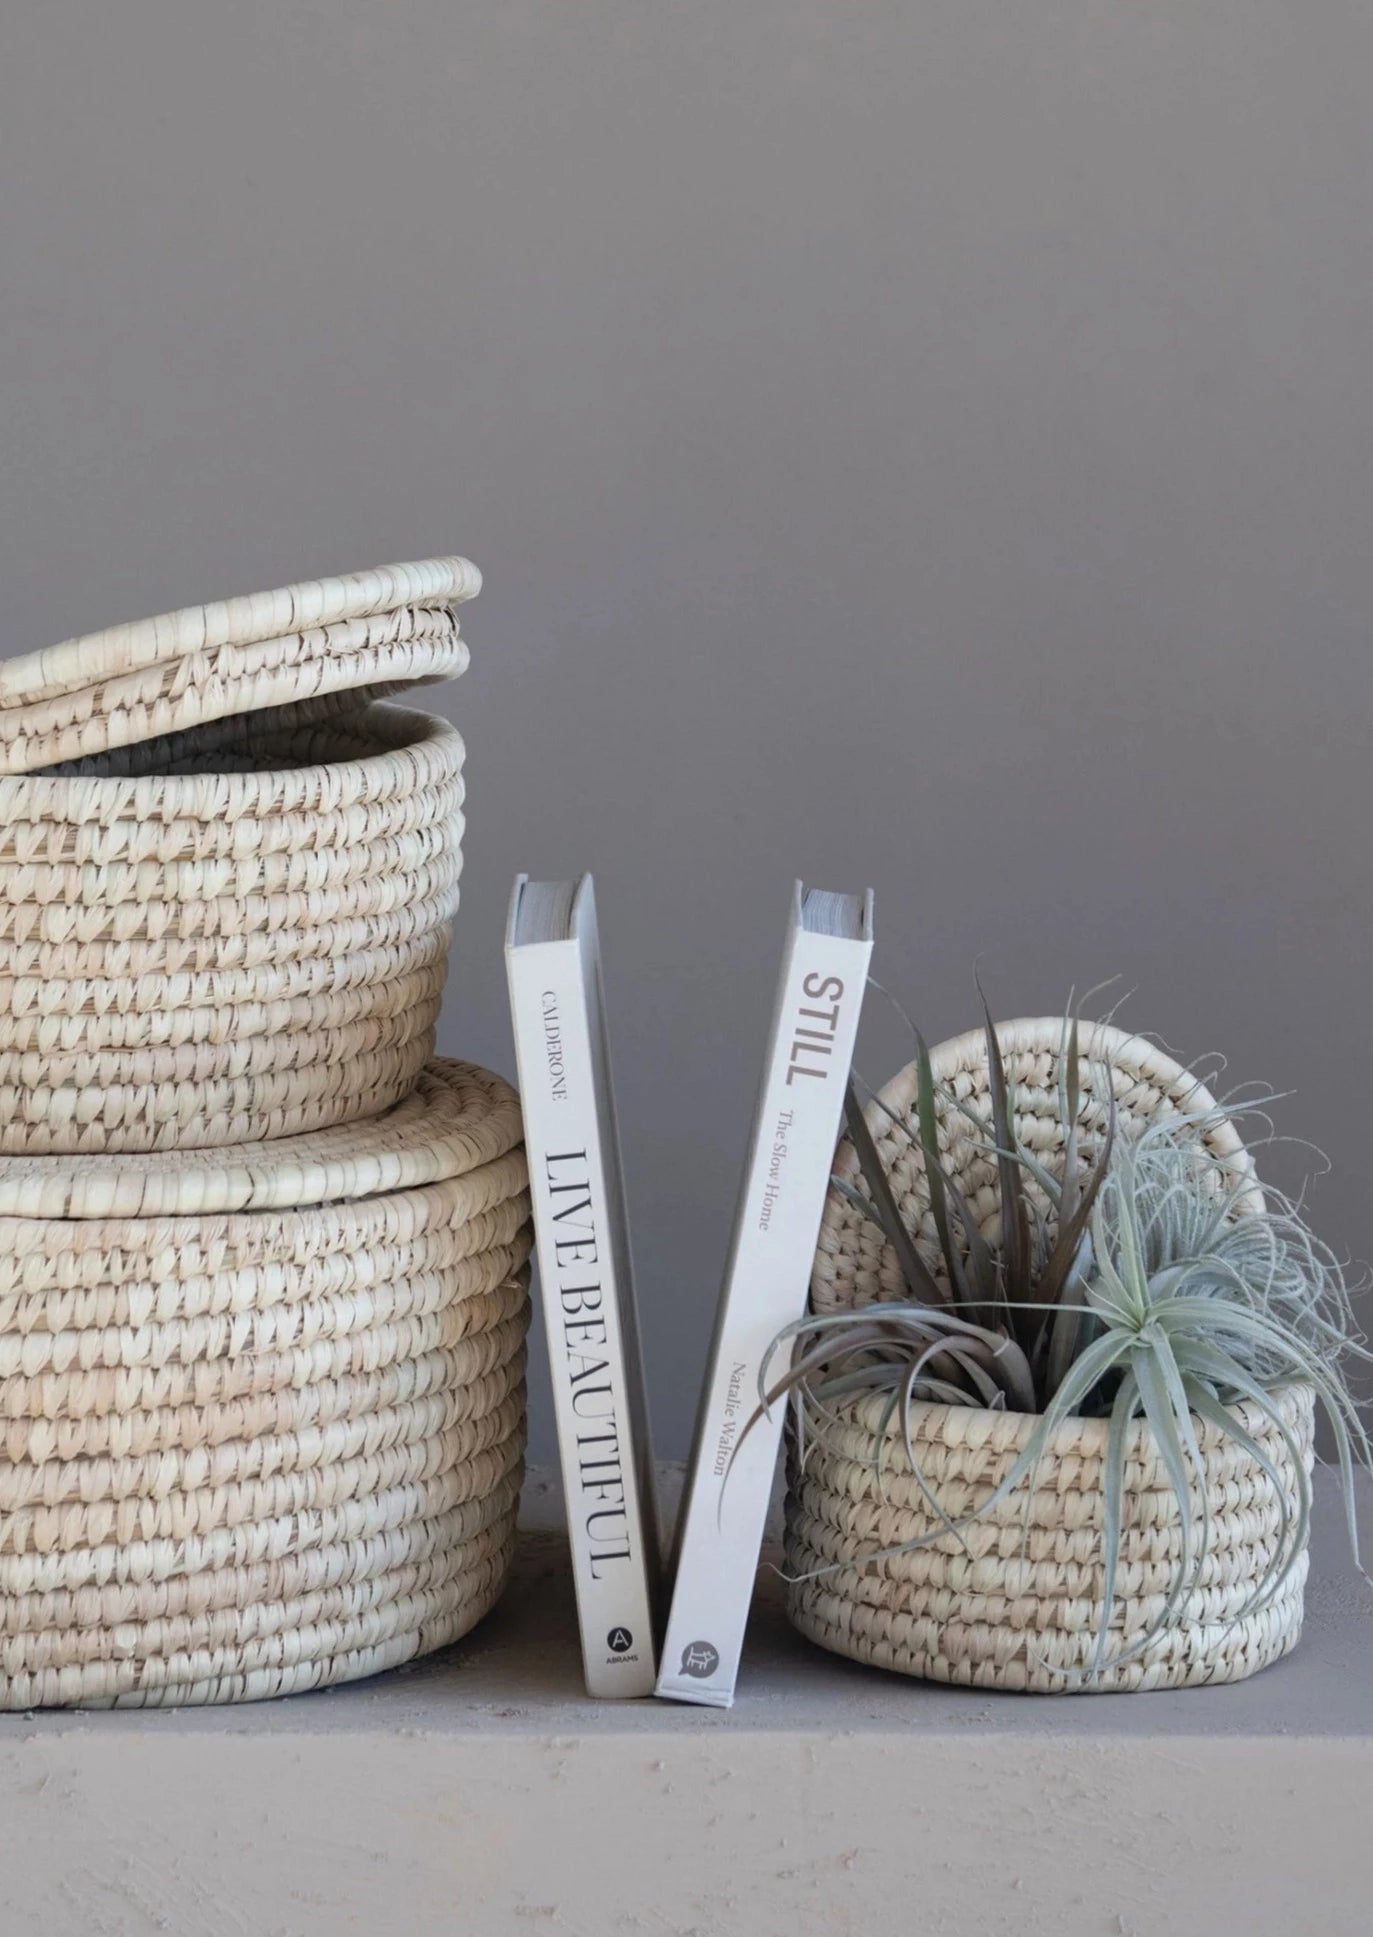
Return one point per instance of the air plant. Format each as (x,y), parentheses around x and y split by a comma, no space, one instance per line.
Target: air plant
(1159,1285)
(1011,1312)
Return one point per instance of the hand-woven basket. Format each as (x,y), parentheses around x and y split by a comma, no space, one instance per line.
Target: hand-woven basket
(133,683)
(226,879)
(261,1410)
(1015,1601)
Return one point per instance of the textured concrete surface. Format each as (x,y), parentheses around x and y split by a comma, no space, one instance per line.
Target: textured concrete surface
(481,1792)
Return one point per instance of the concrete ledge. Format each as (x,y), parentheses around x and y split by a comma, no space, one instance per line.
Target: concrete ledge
(480,1791)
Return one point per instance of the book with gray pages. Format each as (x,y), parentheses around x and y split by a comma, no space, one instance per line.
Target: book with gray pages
(581,1233)
(767,1277)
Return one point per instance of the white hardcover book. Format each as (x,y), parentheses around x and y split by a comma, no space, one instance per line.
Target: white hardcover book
(581,1231)
(819,998)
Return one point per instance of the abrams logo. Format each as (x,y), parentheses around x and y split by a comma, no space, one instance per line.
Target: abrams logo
(620,1648)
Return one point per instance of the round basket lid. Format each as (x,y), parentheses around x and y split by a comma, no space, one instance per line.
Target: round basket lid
(389,628)
(457,1118)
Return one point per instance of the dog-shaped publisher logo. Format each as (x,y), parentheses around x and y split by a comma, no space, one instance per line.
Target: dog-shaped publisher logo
(700,1659)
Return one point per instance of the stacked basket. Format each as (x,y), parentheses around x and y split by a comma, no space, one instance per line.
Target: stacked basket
(262,1259)
(226,878)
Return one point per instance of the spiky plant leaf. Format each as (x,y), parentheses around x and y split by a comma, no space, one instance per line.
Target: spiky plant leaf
(920,1280)
(934,1169)
(981,1273)
(1113,1489)
(1015,1235)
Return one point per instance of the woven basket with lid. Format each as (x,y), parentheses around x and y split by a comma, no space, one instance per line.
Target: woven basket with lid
(227,875)
(261,1409)
(1015,1602)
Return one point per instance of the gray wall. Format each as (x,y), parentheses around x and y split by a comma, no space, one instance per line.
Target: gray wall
(925,444)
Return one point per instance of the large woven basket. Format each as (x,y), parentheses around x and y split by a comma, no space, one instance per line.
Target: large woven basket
(1015,1601)
(227,879)
(261,1410)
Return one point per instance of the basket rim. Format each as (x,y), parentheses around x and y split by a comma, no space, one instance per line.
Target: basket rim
(406,734)
(457,1120)
(1006,1430)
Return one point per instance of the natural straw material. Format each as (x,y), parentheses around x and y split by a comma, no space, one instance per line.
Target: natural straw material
(226,879)
(854,1267)
(1014,1600)
(157,676)
(459,1125)
(261,1410)
(202,958)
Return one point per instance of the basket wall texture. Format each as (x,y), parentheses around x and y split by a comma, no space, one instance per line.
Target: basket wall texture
(1016,1601)
(227,873)
(261,1410)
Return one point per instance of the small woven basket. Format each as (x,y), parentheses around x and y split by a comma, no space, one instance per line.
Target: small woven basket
(261,1410)
(1015,1601)
(227,879)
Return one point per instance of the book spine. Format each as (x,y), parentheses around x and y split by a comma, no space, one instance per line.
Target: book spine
(573,1234)
(766,1283)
